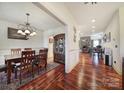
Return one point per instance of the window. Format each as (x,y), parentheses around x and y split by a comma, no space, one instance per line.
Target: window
(95,43)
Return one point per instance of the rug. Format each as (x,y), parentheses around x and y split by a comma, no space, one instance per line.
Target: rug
(15,83)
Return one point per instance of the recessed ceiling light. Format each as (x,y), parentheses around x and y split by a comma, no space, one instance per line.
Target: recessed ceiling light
(93,30)
(93,20)
(93,26)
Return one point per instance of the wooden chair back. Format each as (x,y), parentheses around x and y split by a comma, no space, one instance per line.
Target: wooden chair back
(16,51)
(27,59)
(42,58)
(43,53)
(28,49)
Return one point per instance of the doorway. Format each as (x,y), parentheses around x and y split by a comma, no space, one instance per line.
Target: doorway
(59,48)
(56,47)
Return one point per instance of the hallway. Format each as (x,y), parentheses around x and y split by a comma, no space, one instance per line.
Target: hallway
(87,74)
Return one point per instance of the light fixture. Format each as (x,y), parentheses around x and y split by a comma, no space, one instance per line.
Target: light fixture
(93,30)
(93,27)
(93,20)
(26,29)
(91,3)
(20,31)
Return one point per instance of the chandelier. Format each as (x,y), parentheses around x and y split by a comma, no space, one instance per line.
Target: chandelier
(26,29)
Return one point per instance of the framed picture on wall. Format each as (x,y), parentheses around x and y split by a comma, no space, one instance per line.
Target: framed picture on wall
(109,37)
(12,34)
(75,32)
(105,38)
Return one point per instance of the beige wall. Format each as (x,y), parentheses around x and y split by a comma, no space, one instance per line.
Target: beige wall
(113,27)
(72,48)
(121,15)
(6,44)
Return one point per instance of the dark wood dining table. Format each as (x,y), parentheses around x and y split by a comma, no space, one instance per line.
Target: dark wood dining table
(9,59)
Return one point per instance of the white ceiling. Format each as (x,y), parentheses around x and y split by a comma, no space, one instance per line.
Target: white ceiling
(15,12)
(83,15)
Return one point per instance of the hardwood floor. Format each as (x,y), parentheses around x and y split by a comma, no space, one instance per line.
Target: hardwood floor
(90,73)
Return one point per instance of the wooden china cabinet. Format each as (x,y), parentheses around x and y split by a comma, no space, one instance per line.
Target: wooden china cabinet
(59,48)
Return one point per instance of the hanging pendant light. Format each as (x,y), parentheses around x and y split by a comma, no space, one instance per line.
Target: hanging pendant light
(26,29)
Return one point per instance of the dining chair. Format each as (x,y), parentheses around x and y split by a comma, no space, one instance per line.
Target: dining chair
(27,58)
(28,49)
(16,51)
(11,68)
(42,59)
(3,68)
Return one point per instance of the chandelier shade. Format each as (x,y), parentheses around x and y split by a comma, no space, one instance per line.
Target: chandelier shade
(26,29)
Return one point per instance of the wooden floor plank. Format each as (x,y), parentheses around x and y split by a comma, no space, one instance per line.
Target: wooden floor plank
(90,73)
